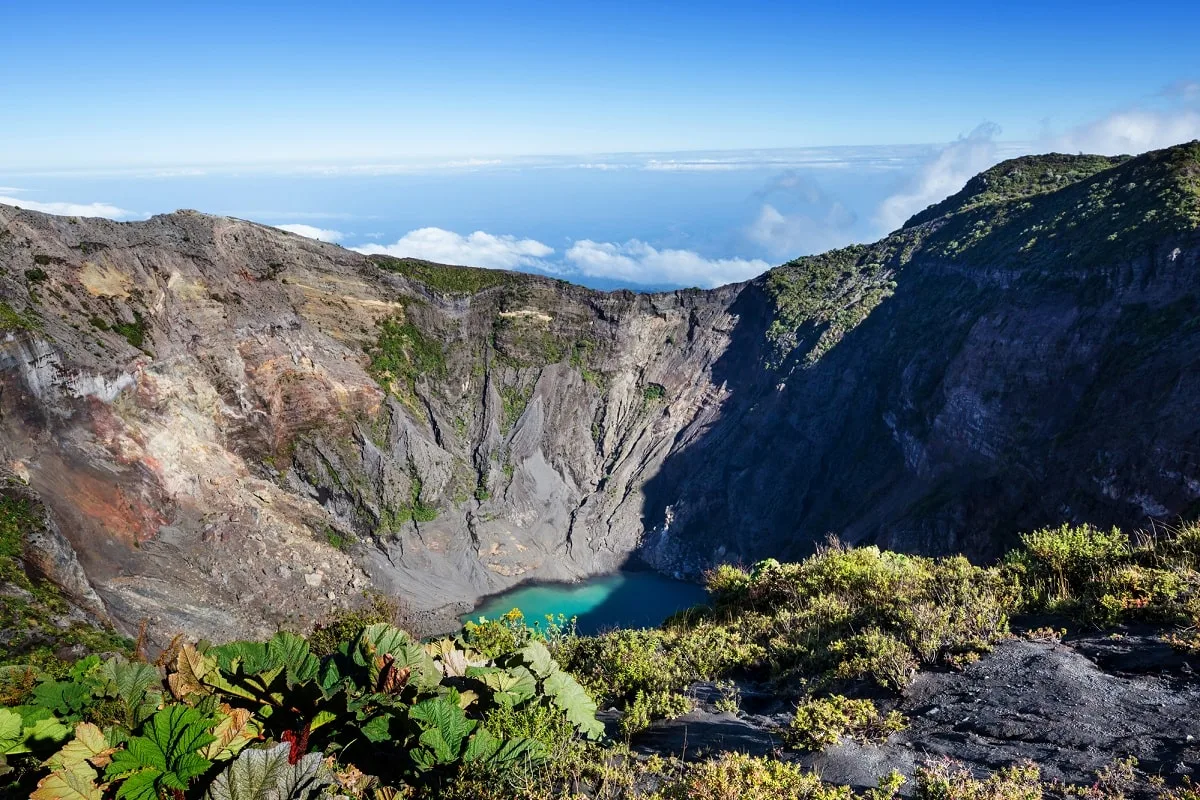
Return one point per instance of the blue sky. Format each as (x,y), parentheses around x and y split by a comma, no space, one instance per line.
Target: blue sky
(371,122)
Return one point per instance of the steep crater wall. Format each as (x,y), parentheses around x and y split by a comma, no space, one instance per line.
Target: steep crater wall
(237,428)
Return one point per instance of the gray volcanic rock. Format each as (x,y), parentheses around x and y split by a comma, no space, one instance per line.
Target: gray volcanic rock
(1041,701)
(236,427)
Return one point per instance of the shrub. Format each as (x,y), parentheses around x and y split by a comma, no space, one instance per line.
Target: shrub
(876,655)
(649,706)
(734,776)
(821,722)
(947,780)
(862,613)
(1107,577)
(1059,562)
(346,625)
(653,392)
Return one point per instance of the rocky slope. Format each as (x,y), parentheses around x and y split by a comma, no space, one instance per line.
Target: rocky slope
(1072,707)
(235,427)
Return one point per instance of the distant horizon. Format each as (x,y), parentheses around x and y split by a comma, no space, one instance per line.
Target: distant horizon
(646,221)
(617,144)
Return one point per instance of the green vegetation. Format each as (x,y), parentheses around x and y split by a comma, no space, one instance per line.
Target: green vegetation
(1106,577)
(513,400)
(13,321)
(1048,220)
(402,354)
(416,510)
(506,709)
(582,357)
(819,299)
(654,392)
(215,718)
(443,278)
(1018,179)
(525,338)
(821,722)
(36,275)
(134,332)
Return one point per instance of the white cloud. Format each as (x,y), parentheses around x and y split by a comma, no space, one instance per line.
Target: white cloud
(72,209)
(637,262)
(1133,131)
(312,232)
(478,249)
(10,190)
(943,175)
(789,235)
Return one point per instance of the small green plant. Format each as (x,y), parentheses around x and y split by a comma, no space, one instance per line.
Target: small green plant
(822,722)
(734,776)
(948,780)
(730,699)
(36,275)
(134,332)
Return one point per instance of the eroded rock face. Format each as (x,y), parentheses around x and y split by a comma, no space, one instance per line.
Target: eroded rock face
(203,473)
(236,427)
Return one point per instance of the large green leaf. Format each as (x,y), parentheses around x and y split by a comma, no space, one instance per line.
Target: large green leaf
(538,659)
(33,729)
(130,680)
(573,699)
(292,652)
(510,687)
(561,687)
(383,646)
(138,687)
(65,699)
(249,658)
(165,756)
(267,775)
(11,727)
(444,730)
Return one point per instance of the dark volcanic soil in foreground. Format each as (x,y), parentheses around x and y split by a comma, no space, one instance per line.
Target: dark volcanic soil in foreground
(1072,707)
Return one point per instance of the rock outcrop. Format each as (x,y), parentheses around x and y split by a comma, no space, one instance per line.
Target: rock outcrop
(236,427)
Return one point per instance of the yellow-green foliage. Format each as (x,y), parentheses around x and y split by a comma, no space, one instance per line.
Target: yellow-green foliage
(11,320)
(647,707)
(401,354)
(946,780)
(346,625)
(821,722)
(1108,576)
(862,613)
(618,665)
(445,278)
(734,776)
(510,632)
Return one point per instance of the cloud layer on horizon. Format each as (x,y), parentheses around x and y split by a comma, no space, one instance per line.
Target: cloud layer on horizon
(478,249)
(105,210)
(634,262)
(313,232)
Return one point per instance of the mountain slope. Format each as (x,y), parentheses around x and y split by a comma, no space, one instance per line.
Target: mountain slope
(237,427)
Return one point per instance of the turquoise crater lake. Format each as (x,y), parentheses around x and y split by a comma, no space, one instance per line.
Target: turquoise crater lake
(623,599)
